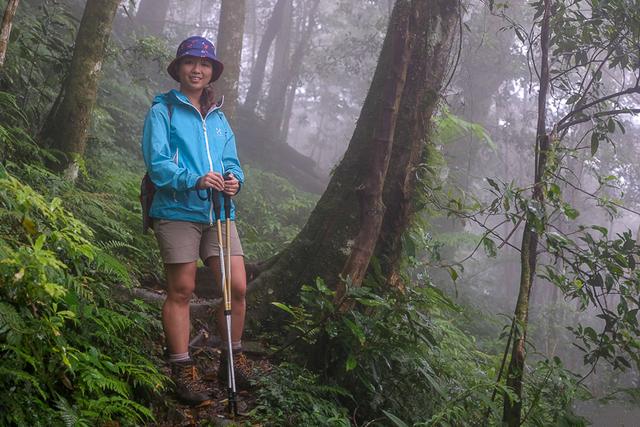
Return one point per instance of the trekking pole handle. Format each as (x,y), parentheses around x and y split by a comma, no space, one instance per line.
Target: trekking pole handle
(216,203)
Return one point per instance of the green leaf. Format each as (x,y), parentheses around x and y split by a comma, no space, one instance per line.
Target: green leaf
(55,291)
(453,273)
(356,330)
(595,142)
(601,229)
(489,246)
(395,420)
(351,363)
(493,184)
(284,307)
(569,211)
(573,98)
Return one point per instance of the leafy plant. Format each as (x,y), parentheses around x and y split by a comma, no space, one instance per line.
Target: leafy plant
(292,396)
(61,357)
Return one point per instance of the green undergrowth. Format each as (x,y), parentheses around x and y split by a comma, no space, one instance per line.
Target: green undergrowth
(290,395)
(271,212)
(403,360)
(69,353)
(72,352)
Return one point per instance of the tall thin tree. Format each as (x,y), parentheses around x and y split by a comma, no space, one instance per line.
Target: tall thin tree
(274,105)
(528,251)
(283,106)
(257,74)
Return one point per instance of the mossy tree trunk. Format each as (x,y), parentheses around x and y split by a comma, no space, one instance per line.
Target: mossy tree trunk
(5,29)
(372,208)
(512,410)
(229,50)
(413,132)
(67,124)
(322,248)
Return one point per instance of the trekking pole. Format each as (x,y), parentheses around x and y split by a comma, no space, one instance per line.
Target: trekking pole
(226,294)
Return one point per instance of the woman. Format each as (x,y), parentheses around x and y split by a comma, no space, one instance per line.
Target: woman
(189,147)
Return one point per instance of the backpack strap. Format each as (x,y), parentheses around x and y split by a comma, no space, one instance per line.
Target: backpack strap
(148,190)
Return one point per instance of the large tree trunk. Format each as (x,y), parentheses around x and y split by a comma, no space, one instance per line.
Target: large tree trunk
(152,15)
(327,240)
(370,191)
(67,125)
(512,413)
(413,131)
(257,74)
(229,50)
(5,30)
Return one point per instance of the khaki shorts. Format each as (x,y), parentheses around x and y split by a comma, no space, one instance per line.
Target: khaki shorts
(184,241)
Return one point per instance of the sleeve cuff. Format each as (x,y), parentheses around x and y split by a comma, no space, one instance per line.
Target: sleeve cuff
(192,180)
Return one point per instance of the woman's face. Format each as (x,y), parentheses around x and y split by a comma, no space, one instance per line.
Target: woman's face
(195,73)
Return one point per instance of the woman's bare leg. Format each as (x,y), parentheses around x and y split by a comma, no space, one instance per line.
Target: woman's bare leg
(181,281)
(238,293)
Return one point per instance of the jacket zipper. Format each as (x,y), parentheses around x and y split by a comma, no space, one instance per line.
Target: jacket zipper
(206,141)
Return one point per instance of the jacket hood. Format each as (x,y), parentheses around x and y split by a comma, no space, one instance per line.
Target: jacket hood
(171,97)
(176,97)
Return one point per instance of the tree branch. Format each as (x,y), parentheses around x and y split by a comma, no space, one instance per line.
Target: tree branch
(564,126)
(628,91)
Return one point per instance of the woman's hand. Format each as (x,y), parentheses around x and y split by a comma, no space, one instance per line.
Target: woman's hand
(211,180)
(231,185)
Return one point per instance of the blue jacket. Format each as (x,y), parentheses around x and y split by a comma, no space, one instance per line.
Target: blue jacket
(195,147)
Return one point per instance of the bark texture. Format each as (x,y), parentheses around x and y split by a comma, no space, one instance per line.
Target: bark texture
(512,412)
(327,240)
(68,122)
(229,51)
(5,30)
(428,69)
(370,191)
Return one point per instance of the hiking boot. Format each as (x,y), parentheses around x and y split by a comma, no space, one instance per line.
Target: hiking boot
(243,370)
(188,387)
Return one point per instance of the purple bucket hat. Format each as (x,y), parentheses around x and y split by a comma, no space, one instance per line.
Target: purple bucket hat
(200,48)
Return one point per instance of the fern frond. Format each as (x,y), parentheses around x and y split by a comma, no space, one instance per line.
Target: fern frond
(112,266)
(97,383)
(116,244)
(69,414)
(22,376)
(115,407)
(143,375)
(11,324)
(112,322)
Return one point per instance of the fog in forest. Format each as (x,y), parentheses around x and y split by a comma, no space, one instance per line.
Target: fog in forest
(477,189)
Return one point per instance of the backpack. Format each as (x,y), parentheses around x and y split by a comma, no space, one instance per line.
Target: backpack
(148,190)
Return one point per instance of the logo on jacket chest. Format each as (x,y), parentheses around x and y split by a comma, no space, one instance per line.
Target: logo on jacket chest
(218,132)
